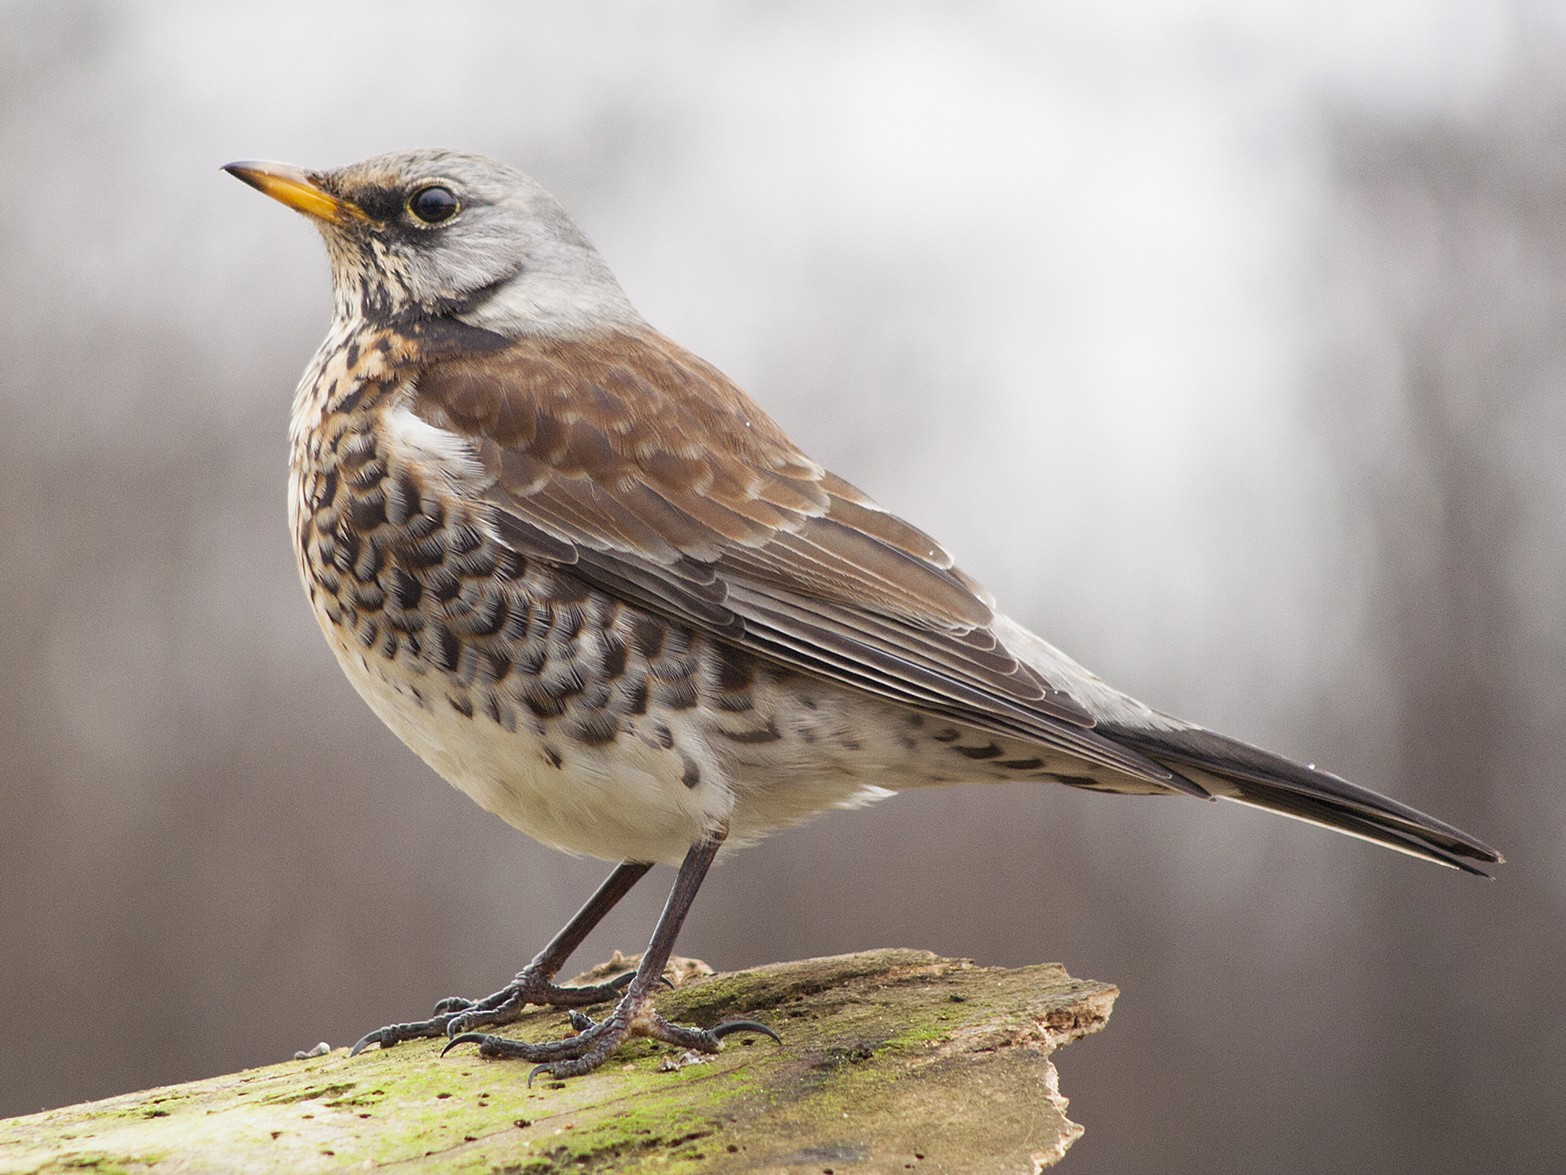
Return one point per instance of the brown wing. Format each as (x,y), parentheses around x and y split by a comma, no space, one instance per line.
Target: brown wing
(662,482)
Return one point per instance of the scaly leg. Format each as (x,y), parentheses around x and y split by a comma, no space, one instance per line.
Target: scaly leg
(534,984)
(634,1015)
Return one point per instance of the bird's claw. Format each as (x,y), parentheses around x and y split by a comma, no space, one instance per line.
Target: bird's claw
(596,1040)
(395,1034)
(466,1038)
(455,1016)
(730,1027)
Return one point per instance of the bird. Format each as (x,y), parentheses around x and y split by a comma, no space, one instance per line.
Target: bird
(593,585)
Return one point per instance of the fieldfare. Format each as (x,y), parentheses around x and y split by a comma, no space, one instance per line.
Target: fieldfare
(592,584)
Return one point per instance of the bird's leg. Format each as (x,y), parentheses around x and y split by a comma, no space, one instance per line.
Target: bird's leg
(534,984)
(634,1015)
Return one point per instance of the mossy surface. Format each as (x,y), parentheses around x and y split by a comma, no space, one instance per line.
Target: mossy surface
(892,1060)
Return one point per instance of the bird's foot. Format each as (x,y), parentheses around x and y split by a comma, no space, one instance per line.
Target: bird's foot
(595,1041)
(455,1015)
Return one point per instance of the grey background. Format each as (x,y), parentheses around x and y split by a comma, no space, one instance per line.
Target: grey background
(1226,342)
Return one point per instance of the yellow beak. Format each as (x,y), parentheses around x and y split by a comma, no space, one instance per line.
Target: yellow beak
(294,187)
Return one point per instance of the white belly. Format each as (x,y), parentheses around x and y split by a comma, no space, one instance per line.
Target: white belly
(620,802)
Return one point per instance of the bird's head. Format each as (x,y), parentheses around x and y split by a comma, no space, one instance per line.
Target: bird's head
(435,233)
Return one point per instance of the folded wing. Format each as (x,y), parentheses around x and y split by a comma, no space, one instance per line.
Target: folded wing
(654,477)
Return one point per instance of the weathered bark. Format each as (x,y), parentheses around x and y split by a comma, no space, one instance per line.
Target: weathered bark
(892,1060)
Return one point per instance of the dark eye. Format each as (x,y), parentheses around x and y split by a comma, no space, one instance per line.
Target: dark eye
(433,204)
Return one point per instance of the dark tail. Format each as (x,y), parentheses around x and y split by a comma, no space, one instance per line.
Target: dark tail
(1233,770)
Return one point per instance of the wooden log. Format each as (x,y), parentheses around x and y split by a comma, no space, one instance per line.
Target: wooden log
(893,1060)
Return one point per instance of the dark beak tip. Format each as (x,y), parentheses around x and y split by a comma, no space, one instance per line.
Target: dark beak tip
(243,170)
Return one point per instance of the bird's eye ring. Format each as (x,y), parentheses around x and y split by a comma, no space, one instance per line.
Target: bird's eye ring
(433,204)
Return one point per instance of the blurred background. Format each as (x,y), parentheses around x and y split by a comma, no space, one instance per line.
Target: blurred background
(1225,341)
